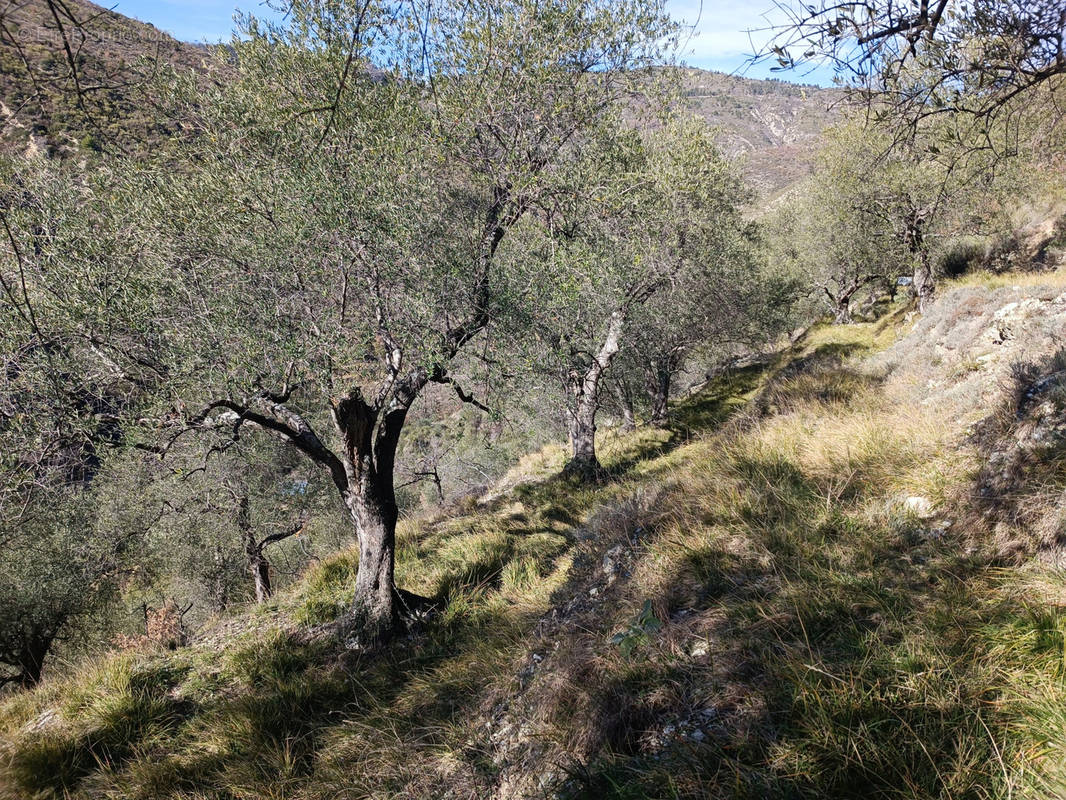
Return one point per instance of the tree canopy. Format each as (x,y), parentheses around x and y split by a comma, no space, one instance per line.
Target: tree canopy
(992,61)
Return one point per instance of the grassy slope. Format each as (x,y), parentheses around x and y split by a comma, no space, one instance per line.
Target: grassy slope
(782,627)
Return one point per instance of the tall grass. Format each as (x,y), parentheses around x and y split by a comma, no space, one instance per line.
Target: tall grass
(747,608)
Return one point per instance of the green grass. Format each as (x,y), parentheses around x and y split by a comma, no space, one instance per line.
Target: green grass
(853,654)
(1006,280)
(780,627)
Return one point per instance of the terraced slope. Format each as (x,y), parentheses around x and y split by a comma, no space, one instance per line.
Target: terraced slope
(832,578)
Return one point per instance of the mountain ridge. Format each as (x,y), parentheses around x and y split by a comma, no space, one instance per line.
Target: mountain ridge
(771,127)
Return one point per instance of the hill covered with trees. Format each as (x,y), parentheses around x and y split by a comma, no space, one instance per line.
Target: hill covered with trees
(467,401)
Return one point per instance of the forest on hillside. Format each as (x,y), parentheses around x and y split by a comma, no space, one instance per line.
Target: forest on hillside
(264,305)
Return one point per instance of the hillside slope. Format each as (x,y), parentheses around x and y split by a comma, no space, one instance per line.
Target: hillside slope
(41,109)
(829,579)
(772,127)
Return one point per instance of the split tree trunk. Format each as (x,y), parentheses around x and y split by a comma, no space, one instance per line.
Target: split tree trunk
(584,387)
(843,312)
(841,302)
(370,438)
(363,476)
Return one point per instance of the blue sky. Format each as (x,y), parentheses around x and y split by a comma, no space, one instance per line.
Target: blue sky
(719,28)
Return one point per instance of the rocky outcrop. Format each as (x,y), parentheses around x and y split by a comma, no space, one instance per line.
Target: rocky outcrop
(988,362)
(958,357)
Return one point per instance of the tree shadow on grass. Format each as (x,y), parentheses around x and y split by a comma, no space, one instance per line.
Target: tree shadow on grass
(841,659)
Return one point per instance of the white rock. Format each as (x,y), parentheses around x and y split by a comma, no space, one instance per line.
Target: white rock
(45,720)
(1006,311)
(921,507)
(611,559)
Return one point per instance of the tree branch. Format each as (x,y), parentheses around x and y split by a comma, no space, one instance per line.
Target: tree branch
(281,421)
(285,534)
(444,379)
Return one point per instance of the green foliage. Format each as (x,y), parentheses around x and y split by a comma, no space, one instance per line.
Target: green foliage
(781,616)
(64,563)
(640,631)
(877,208)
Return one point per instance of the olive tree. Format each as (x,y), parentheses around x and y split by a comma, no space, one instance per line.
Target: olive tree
(956,87)
(339,219)
(231,515)
(875,208)
(659,227)
(988,61)
(62,565)
(732,303)
(837,230)
(77,360)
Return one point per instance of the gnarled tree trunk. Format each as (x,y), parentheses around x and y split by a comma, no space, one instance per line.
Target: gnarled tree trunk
(584,388)
(581,424)
(260,570)
(841,300)
(26,652)
(842,315)
(914,239)
(924,287)
(255,550)
(371,435)
(33,654)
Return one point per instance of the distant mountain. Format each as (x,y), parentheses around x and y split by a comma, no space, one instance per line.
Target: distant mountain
(43,106)
(772,126)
